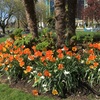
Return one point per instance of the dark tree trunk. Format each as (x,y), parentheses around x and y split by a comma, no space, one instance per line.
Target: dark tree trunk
(18,22)
(60,24)
(31,16)
(3,29)
(72,7)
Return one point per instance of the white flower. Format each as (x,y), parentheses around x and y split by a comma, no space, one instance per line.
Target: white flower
(42,77)
(82,61)
(62,49)
(56,58)
(8,78)
(45,89)
(66,72)
(34,72)
(55,70)
(68,57)
(8,66)
(44,85)
(99,70)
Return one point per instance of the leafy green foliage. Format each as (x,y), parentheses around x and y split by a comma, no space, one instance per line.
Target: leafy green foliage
(16,34)
(43,45)
(25,40)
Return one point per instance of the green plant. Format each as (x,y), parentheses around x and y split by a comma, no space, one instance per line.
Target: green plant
(16,34)
(57,71)
(46,38)
(91,65)
(43,45)
(25,40)
(88,38)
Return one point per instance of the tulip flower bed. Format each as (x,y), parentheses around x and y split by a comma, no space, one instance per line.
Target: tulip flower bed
(57,71)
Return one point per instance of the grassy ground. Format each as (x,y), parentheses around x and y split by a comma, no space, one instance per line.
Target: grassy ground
(3,39)
(7,93)
(82,33)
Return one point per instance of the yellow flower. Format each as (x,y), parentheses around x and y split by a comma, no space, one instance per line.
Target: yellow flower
(35,79)
(25,71)
(87,62)
(54,92)
(4,49)
(91,67)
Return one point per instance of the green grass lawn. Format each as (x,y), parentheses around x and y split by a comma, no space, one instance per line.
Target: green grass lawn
(3,39)
(7,93)
(82,33)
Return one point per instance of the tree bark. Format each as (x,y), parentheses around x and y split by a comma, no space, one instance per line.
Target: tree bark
(31,16)
(60,24)
(3,29)
(72,7)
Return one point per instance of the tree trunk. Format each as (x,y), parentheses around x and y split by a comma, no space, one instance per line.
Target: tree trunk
(72,7)
(18,22)
(60,24)
(31,16)
(3,30)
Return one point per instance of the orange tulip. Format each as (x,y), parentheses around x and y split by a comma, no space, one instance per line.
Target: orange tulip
(31,57)
(74,48)
(1,46)
(34,48)
(91,57)
(49,52)
(65,48)
(42,59)
(27,51)
(59,51)
(39,74)
(69,53)
(28,69)
(6,69)
(90,45)
(35,92)
(60,66)
(20,59)
(95,64)
(46,73)
(23,46)
(1,59)
(22,64)
(11,58)
(78,56)
(60,55)
(91,51)
(38,54)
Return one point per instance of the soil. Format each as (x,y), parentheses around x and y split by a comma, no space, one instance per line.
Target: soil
(27,87)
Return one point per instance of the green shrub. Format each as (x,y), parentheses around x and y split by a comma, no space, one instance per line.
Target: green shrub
(25,40)
(16,34)
(43,45)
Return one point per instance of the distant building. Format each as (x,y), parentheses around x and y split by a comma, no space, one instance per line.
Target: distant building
(50,4)
(81,4)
